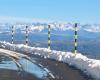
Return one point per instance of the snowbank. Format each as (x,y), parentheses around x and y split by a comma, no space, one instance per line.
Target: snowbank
(89,66)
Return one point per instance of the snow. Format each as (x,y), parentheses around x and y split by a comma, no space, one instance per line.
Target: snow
(36,28)
(87,65)
(94,28)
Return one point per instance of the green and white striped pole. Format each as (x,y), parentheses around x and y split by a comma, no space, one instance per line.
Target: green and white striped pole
(49,35)
(12,41)
(75,39)
(12,38)
(26,35)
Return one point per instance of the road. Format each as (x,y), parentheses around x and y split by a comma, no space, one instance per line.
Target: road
(52,69)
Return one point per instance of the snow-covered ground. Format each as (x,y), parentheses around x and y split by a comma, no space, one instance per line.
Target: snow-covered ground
(87,65)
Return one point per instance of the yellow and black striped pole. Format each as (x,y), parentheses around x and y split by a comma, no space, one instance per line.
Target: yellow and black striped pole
(49,35)
(26,35)
(12,32)
(75,39)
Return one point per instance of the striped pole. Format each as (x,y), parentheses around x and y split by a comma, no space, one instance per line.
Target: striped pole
(12,41)
(49,35)
(75,37)
(26,35)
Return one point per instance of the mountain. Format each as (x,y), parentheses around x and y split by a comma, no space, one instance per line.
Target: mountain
(42,27)
(62,36)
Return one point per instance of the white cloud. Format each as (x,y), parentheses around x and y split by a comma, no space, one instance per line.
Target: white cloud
(12,19)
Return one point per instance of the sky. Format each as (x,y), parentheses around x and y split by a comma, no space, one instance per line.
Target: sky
(81,11)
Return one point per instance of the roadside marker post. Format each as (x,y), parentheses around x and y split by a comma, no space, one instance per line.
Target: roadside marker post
(12,38)
(12,41)
(75,38)
(49,36)
(26,35)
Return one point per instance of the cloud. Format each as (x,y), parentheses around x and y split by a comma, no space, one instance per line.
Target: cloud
(12,19)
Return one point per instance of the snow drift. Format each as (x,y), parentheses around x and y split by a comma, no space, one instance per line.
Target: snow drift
(89,66)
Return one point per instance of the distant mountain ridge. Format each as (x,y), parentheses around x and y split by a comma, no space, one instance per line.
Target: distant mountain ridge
(42,27)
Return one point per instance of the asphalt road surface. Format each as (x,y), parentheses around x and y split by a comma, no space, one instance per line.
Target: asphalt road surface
(55,70)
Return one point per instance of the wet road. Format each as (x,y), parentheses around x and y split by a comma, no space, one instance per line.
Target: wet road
(62,71)
(39,69)
(13,75)
(24,65)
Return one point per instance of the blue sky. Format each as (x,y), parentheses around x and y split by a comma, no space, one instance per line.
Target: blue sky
(82,11)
